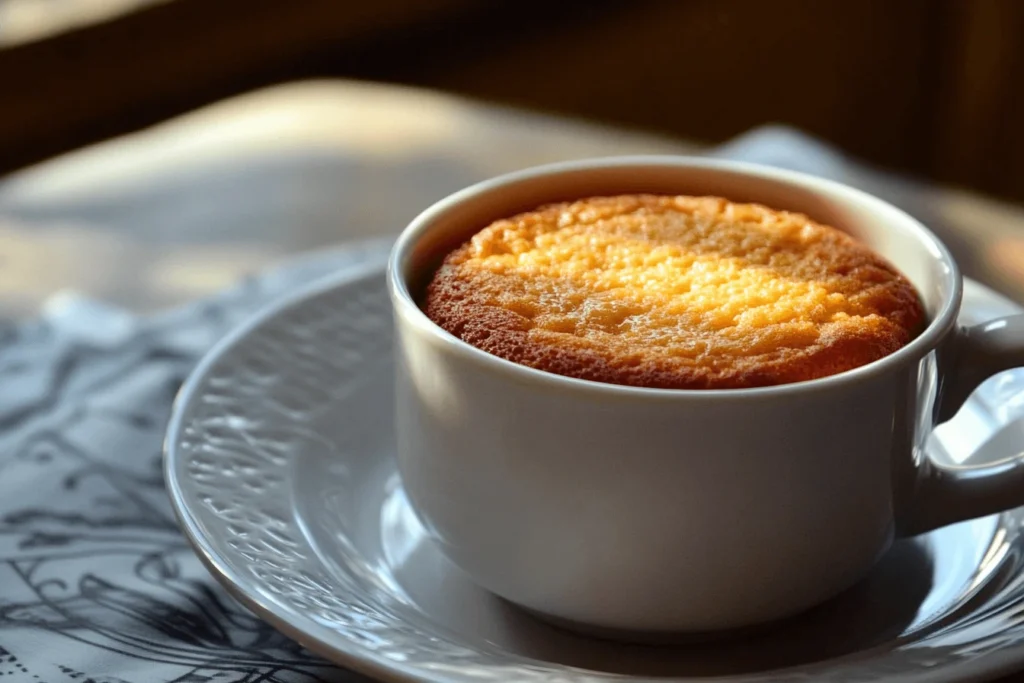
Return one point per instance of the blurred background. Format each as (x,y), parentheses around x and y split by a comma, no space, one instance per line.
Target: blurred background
(934,88)
(153,152)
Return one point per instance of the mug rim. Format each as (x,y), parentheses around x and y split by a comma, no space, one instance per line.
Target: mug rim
(405,305)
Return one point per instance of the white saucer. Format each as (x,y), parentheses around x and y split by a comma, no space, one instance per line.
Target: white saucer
(279,463)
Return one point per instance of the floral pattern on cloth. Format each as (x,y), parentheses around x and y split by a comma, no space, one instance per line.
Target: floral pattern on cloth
(97,583)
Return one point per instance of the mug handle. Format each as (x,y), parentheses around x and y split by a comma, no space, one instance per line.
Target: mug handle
(946,494)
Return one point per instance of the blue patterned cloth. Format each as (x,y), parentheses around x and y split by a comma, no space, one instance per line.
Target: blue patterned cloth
(96,581)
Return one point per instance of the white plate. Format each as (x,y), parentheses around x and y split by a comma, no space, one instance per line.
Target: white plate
(279,462)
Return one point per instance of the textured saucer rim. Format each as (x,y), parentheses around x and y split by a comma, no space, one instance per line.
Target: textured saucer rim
(325,641)
(361,662)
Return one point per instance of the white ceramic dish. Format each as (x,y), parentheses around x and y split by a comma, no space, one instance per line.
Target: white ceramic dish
(646,512)
(279,462)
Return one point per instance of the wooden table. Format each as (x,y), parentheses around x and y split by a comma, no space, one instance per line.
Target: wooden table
(191,206)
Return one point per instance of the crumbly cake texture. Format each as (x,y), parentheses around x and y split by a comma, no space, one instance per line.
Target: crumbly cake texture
(673,292)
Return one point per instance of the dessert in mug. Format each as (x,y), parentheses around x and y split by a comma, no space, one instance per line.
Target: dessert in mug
(673,292)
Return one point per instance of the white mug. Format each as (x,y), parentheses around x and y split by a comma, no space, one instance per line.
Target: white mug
(659,510)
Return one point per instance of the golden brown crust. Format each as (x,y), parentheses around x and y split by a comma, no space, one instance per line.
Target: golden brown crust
(673,292)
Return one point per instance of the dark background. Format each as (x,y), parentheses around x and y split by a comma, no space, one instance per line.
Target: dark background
(933,87)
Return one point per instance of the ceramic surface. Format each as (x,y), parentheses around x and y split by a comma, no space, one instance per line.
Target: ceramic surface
(280,464)
(659,511)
